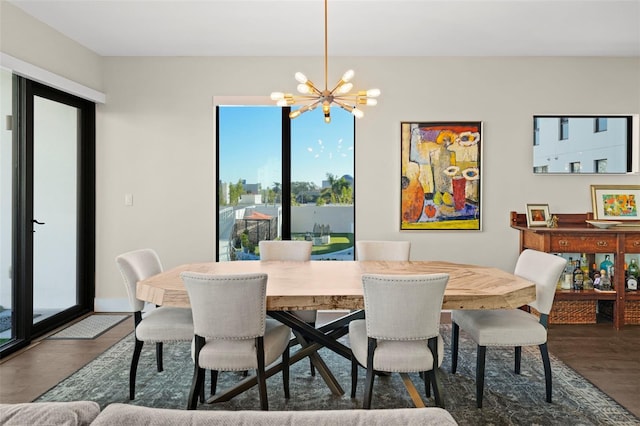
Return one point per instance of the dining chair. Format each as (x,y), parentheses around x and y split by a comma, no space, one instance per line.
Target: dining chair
(513,327)
(401,330)
(232,332)
(383,250)
(162,324)
(294,250)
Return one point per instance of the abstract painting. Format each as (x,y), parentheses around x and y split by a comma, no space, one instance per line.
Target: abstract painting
(440,166)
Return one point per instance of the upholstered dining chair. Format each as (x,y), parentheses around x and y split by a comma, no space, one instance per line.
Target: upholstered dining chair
(298,251)
(383,250)
(401,330)
(513,327)
(163,324)
(231,331)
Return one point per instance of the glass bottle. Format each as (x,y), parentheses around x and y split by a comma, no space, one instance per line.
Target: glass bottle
(578,277)
(607,265)
(605,282)
(633,275)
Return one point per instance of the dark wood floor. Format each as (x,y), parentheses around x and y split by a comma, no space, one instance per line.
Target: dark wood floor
(608,358)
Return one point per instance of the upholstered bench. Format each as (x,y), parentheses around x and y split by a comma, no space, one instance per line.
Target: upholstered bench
(82,413)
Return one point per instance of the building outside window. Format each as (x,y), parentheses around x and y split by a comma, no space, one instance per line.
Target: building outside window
(564,129)
(600,124)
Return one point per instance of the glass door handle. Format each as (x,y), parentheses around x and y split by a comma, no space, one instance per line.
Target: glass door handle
(37,222)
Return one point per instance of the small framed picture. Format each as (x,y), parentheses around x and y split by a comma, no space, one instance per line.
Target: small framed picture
(538,214)
(615,202)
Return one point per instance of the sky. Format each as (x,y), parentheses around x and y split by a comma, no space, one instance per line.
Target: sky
(250,145)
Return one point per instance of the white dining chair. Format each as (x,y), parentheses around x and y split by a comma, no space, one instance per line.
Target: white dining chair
(297,251)
(401,330)
(232,332)
(162,324)
(513,327)
(383,250)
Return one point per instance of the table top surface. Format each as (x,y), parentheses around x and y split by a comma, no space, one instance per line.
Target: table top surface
(319,285)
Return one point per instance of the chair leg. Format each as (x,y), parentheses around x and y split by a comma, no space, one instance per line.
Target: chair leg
(196,387)
(427,383)
(368,387)
(159,356)
(435,373)
(455,334)
(214,381)
(547,370)
(518,358)
(262,382)
(482,353)
(354,375)
(137,349)
(285,372)
(313,369)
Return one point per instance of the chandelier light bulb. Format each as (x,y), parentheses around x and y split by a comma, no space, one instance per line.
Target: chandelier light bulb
(301,78)
(357,113)
(371,102)
(345,88)
(282,102)
(276,96)
(373,93)
(348,75)
(303,88)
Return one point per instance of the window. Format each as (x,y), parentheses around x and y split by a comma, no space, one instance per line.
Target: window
(536,132)
(601,166)
(284,179)
(564,128)
(575,167)
(541,169)
(600,124)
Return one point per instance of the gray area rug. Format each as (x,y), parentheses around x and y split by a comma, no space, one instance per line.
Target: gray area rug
(509,399)
(89,327)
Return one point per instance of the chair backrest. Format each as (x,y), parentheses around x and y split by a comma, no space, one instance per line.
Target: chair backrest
(544,270)
(285,250)
(227,306)
(383,250)
(403,307)
(135,266)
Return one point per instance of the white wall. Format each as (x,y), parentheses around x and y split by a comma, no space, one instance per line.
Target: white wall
(155,140)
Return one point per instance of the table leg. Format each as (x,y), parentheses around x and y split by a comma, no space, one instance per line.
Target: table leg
(328,333)
(321,367)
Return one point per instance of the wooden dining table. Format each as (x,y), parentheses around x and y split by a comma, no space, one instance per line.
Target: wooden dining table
(337,285)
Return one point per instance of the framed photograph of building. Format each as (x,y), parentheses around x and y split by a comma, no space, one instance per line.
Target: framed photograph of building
(441,175)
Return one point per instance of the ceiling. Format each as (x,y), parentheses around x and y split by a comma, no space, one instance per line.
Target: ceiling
(355,27)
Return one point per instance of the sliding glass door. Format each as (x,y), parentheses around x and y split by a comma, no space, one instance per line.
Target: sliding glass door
(51,230)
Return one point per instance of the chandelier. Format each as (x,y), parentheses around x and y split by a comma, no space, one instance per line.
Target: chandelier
(311,97)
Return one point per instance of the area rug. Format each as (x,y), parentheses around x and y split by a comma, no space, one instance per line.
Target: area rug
(509,399)
(89,327)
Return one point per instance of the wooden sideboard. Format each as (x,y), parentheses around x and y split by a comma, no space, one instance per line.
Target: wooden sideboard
(574,235)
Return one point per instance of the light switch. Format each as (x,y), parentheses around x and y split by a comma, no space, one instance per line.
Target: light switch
(128,199)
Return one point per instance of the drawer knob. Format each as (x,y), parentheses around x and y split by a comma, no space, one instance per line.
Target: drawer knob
(563,243)
(636,243)
(601,243)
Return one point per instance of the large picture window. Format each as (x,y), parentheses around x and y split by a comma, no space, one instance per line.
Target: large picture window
(283,179)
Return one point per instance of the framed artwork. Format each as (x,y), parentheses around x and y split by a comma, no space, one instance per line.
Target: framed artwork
(615,202)
(538,214)
(440,175)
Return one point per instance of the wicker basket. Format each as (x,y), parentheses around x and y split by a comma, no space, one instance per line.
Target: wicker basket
(573,312)
(632,312)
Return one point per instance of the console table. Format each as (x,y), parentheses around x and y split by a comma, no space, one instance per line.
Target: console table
(574,235)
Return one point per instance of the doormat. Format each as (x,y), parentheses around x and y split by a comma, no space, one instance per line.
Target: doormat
(90,327)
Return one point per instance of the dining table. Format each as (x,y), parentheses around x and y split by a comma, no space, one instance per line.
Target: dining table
(337,285)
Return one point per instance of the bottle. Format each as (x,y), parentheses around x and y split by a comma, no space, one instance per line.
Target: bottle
(584,263)
(568,275)
(605,282)
(633,275)
(578,277)
(607,265)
